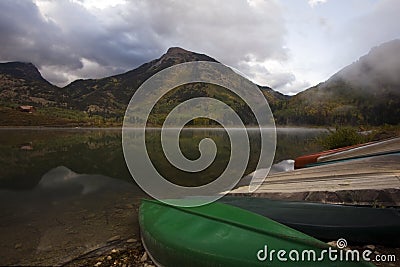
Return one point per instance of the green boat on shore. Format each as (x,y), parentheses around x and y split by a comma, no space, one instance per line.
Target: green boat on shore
(222,235)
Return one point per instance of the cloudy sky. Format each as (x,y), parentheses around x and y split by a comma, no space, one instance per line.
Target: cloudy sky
(289,45)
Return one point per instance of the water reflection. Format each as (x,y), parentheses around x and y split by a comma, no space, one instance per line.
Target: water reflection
(65,215)
(65,180)
(64,192)
(83,151)
(100,152)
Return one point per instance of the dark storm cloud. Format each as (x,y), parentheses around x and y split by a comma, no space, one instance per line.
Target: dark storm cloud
(27,36)
(67,40)
(234,31)
(58,41)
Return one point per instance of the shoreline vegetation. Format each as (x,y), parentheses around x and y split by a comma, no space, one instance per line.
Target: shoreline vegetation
(336,136)
(348,136)
(56,117)
(70,118)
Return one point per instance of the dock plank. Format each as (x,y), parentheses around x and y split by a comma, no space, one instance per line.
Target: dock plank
(379,173)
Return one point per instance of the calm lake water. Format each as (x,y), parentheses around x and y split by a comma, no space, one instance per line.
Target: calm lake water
(64,192)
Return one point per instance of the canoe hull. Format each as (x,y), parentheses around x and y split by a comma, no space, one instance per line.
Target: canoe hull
(370,149)
(364,225)
(306,160)
(219,235)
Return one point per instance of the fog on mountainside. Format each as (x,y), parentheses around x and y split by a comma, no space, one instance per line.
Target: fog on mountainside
(365,92)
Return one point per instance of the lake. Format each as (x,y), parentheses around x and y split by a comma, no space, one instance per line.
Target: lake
(64,192)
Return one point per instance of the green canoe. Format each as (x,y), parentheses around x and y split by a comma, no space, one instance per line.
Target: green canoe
(329,222)
(222,235)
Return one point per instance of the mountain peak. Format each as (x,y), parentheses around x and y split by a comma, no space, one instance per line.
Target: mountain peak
(177,50)
(21,70)
(176,55)
(17,64)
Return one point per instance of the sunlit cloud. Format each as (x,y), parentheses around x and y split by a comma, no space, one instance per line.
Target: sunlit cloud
(313,3)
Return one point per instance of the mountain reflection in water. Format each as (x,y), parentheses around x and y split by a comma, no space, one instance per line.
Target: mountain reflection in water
(64,192)
(65,215)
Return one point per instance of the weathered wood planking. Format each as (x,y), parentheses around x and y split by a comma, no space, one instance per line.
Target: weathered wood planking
(357,176)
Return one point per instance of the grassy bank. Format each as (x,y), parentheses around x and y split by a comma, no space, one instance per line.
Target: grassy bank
(348,136)
(52,116)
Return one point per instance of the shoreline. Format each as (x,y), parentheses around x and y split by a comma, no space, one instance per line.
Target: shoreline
(120,254)
(150,128)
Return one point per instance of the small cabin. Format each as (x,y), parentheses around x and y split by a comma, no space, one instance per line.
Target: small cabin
(28,109)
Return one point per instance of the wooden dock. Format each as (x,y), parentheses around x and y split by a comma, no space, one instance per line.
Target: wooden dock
(365,181)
